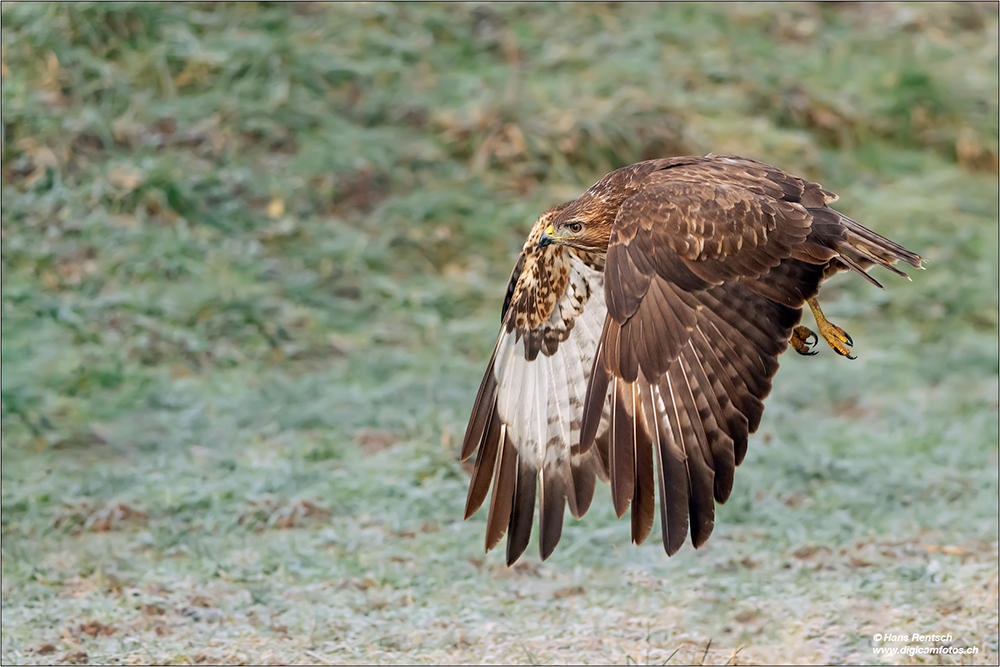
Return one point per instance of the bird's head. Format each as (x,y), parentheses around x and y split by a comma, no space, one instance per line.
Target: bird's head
(577,230)
(585,224)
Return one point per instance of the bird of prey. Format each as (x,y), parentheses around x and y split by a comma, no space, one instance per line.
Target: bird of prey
(643,321)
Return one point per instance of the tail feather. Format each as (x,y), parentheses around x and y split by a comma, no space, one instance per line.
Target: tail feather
(853,246)
(863,250)
(858,268)
(876,246)
(872,248)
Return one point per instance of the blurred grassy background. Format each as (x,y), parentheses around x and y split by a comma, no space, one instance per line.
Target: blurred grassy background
(253,257)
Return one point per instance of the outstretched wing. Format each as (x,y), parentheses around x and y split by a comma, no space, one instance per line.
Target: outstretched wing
(706,273)
(527,415)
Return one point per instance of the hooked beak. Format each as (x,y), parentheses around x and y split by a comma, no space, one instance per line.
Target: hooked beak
(547,237)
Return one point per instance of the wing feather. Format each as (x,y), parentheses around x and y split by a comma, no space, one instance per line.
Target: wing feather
(700,475)
(673,471)
(552,506)
(482,474)
(502,498)
(622,458)
(482,410)
(645,491)
(523,509)
(527,416)
(715,421)
(685,270)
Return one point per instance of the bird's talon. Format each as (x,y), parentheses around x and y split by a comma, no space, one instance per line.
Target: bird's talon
(836,337)
(839,347)
(800,341)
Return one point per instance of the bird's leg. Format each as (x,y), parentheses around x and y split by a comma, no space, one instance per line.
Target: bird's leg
(838,339)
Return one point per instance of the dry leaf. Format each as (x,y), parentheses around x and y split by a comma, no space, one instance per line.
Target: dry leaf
(96,629)
(568,592)
(276,208)
(953,550)
(373,440)
(125,179)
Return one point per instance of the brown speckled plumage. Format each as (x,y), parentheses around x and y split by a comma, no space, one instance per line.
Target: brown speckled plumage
(650,322)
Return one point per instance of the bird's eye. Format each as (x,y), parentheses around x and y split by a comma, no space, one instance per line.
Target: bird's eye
(575,227)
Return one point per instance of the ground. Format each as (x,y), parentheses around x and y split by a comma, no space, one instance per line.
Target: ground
(253,258)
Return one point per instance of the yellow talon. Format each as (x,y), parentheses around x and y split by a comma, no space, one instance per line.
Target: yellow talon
(837,338)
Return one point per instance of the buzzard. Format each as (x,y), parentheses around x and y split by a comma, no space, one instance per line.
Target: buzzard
(643,321)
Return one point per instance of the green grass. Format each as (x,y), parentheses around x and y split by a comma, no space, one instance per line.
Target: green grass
(253,258)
